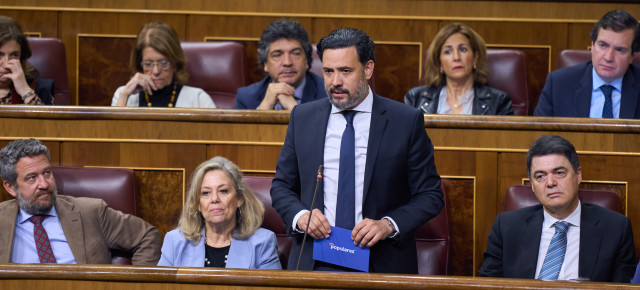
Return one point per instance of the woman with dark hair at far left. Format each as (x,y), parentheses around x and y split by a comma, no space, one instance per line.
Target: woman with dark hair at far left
(19,81)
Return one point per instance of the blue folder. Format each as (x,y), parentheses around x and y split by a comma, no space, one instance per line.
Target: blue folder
(338,249)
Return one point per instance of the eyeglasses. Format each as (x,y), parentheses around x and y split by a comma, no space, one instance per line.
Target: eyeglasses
(163,64)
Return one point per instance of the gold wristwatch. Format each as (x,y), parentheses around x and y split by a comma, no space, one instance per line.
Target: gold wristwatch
(28,94)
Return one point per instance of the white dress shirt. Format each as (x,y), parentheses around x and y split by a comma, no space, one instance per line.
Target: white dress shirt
(569,270)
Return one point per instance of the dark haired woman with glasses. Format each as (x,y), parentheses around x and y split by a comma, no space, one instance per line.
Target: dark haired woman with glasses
(160,76)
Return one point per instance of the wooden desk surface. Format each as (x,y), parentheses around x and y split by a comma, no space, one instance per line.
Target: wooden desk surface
(479,157)
(52,276)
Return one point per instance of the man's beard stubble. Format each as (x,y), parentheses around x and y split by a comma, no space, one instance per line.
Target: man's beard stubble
(34,207)
(353,99)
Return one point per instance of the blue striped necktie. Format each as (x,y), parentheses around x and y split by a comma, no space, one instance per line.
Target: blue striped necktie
(555,254)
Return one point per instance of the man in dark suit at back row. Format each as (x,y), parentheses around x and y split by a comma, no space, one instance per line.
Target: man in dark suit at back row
(605,87)
(285,52)
(380,179)
(561,238)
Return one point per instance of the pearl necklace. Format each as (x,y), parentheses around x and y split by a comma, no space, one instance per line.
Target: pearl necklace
(171,102)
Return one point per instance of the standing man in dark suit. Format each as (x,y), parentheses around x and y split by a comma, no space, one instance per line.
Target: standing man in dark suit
(285,52)
(388,186)
(562,238)
(605,87)
(40,226)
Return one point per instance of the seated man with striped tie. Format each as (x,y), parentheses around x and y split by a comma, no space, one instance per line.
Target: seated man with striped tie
(39,226)
(561,238)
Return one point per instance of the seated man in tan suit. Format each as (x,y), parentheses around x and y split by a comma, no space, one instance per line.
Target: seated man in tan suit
(38,226)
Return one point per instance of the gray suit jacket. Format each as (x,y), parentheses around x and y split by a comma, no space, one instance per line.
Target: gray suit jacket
(92,229)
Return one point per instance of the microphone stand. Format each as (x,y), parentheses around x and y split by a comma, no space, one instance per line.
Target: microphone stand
(313,201)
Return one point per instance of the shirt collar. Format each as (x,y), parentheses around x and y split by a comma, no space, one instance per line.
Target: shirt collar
(598,82)
(365,106)
(573,218)
(24,216)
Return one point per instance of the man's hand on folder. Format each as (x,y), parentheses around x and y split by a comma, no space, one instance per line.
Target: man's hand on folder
(368,232)
(319,227)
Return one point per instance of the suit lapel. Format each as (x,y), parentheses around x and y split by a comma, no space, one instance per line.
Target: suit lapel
(317,144)
(590,236)
(582,95)
(630,94)
(71,223)
(309,89)
(240,255)
(530,244)
(376,131)
(9,214)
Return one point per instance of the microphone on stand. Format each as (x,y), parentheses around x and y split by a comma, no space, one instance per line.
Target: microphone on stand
(313,201)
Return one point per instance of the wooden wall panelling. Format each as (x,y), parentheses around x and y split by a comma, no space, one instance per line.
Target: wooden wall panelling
(238,26)
(162,194)
(102,67)
(461,196)
(90,23)
(349,9)
(45,23)
(485,203)
(252,159)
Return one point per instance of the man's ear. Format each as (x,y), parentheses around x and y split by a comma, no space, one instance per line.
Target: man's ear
(9,187)
(368,69)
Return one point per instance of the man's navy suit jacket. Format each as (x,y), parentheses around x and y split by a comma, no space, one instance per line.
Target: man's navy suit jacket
(400,179)
(606,253)
(251,96)
(567,92)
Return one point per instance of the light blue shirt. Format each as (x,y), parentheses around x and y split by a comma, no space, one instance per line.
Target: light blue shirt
(24,244)
(597,96)
(296,95)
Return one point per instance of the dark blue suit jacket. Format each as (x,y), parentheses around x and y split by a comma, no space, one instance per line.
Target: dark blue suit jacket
(567,92)
(251,96)
(607,252)
(400,179)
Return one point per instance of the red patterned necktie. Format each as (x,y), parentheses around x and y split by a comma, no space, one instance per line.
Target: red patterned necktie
(42,240)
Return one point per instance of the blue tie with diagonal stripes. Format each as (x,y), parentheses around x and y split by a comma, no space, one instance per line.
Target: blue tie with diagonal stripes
(555,254)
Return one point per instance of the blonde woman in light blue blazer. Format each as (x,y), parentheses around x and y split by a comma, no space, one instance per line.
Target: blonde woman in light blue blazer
(220,224)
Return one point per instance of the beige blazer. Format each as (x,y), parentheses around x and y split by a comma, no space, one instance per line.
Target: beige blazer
(92,229)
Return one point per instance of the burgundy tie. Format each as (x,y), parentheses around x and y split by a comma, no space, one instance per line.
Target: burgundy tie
(42,240)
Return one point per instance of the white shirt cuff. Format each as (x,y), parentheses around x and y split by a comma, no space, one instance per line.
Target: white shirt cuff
(395,226)
(294,226)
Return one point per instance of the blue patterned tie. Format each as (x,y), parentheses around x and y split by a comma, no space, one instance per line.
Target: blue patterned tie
(607,110)
(555,254)
(346,203)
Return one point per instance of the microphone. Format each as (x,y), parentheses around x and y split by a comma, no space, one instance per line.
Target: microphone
(313,201)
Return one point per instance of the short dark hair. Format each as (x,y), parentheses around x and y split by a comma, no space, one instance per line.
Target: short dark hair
(553,144)
(287,29)
(618,20)
(11,154)
(11,30)
(348,37)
